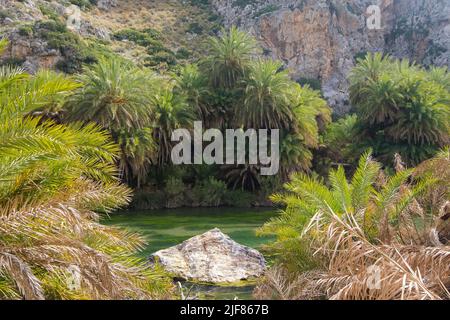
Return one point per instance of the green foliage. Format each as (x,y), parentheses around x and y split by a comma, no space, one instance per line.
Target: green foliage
(49,12)
(228,58)
(401,107)
(115,95)
(145,38)
(172,112)
(15,62)
(195,28)
(363,197)
(310,115)
(193,85)
(266,101)
(84,4)
(340,145)
(239,199)
(159,57)
(26,30)
(174,190)
(75,51)
(53,180)
(137,151)
(313,83)
(209,193)
(183,54)
(241,177)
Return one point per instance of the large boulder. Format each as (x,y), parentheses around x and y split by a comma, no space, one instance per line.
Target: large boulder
(212,257)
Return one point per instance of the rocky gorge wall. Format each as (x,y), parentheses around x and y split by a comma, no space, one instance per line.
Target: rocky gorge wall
(318,40)
(321,39)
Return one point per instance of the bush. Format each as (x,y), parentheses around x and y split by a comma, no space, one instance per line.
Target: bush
(239,199)
(174,191)
(195,28)
(214,192)
(49,12)
(26,30)
(313,83)
(75,51)
(147,199)
(161,58)
(183,54)
(84,4)
(16,62)
(145,38)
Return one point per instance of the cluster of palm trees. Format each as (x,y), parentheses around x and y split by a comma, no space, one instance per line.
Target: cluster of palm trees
(230,88)
(55,180)
(400,107)
(334,234)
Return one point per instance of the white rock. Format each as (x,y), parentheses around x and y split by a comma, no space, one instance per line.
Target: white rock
(212,257)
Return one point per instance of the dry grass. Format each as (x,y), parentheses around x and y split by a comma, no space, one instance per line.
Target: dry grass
(170,17)
(360,270)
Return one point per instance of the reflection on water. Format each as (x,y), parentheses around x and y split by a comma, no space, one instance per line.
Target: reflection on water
(166,228)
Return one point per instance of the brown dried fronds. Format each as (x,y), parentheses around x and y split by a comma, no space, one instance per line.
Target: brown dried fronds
(359,269)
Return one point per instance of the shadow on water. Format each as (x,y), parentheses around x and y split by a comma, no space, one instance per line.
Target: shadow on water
(166,228)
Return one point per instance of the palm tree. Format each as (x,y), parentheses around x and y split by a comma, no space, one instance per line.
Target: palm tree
(425,115)
(228,58)
(244,177)
(401,107)
(295,155)
(138,150)
(54,180)
(193,85)
(115,94)
(310,115)
(378,208)
(171,112)
(331,236)
(440,76)
(266,101)
(368,69)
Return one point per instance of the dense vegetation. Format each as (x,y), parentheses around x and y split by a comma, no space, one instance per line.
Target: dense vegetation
(229,88)
(391,230)
(55,182)
(68,146)
(399,107)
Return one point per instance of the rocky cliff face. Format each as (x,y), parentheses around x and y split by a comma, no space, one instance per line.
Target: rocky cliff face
(321,39)
(318,40)
(32,52)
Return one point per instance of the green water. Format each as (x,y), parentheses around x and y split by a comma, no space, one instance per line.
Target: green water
(166,228)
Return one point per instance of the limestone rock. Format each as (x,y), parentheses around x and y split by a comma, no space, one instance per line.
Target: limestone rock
(320,39)
(106,4)
(212,257)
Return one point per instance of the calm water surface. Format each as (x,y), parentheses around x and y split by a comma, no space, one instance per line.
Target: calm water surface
(166,228)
